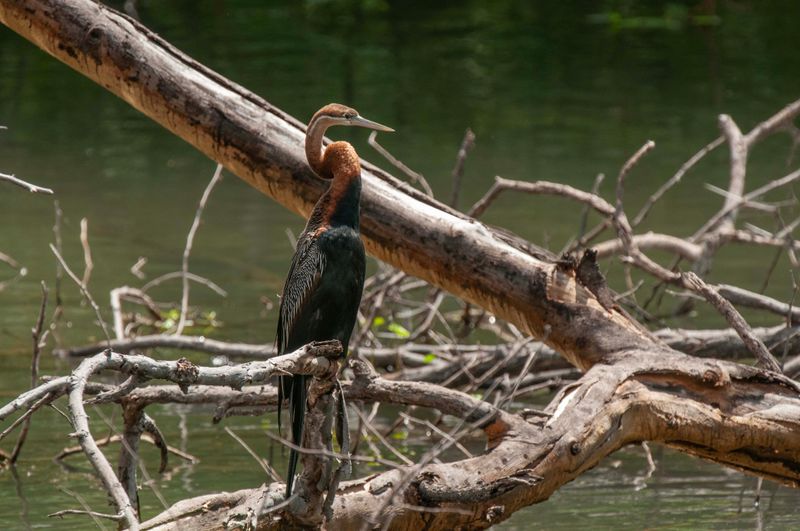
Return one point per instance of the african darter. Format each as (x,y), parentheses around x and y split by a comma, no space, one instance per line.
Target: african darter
(323,289)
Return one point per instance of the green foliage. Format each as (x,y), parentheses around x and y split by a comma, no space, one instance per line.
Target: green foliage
(429,358)
(675,17)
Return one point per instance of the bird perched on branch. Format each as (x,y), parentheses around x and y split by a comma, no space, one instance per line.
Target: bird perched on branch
(323,289)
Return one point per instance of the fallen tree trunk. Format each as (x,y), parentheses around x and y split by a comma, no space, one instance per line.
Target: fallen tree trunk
(264,146)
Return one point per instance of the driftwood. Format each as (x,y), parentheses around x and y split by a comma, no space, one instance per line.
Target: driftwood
(635,386)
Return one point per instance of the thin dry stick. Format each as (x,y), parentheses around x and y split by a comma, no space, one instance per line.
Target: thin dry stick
(734,318)
(84,291)
(67,512)
(458,170)
(187,251)
(675,179)
(87,252)
(335,455)
(414,176)
(136,269)
(27,415)
(87,510)
(146,437)
(626,168)
(598,180)
(191,276)
(22,184)
(268,470)
(735,203)
(382,439)
(431,426)
(59,309)
(38,343)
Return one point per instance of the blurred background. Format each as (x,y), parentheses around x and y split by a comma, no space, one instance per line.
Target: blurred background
(557,91)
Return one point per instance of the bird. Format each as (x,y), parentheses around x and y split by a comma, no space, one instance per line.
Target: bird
(323,288)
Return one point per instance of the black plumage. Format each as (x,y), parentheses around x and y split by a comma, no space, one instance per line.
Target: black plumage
(323,288)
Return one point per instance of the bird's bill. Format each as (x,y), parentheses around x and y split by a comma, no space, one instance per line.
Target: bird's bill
(369,124)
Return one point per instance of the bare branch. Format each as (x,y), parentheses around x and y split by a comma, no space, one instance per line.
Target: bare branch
(38,342)
(458,170)
(734,318)
(675,179)
(191,276)
(84,291)
(22,184)
(87,252)
(187,251)
(414,176)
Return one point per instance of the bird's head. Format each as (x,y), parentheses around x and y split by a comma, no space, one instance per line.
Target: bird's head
(337,114)
(330,115)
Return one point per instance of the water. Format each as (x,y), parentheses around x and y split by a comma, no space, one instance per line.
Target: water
(552,92)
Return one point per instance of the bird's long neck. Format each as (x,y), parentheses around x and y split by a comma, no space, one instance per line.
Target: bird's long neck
(314,135)
(339,205)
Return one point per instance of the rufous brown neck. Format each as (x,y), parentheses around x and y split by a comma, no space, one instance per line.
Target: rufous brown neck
(339,205)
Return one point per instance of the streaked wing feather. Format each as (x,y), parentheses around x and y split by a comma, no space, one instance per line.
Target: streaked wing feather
(308,265)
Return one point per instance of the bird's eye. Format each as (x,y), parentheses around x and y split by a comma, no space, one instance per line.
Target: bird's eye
(350,115)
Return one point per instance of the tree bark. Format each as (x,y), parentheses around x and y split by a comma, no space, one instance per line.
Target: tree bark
(509,277)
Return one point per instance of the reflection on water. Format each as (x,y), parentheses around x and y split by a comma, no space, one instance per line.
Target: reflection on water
(553,91)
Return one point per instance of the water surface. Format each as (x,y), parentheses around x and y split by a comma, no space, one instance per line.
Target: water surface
(557,91)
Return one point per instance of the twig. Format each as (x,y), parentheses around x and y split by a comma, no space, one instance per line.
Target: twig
(87,509)
(539,187)
(58,214)
(87,252)
(416,177)
(626,168)
(675,179)
(117,294)
(187,251)
(586,209)
(84,291)
(732,204)
(38,343)
(382,439)
(458,170)
(431,426)
(147,437)
(25,417)
(734,318)
(191,276)
(136,269)
(22,184)
(66,512)
(327,453)
(268,470)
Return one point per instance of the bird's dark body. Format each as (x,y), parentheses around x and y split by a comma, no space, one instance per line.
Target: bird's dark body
(322,293)
(323,289)
(329,311)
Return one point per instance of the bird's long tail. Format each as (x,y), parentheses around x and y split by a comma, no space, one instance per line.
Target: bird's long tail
(295,387)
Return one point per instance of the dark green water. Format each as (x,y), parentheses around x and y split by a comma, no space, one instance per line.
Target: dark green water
(551,90)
